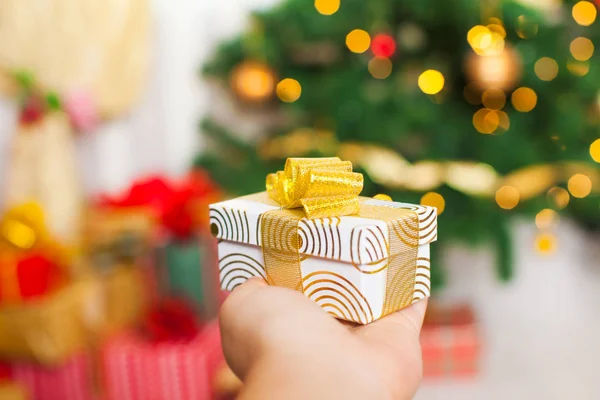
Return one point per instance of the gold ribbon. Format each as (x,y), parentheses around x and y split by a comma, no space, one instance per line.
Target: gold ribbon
(324,187)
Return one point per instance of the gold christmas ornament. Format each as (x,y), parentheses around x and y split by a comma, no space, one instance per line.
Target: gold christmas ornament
(289,90)
(501,71)
(253,81)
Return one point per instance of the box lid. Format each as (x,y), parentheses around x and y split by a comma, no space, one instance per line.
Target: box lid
(353,239)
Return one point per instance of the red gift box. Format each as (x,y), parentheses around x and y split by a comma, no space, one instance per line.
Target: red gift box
(137,369)
(450,342)
(71,380)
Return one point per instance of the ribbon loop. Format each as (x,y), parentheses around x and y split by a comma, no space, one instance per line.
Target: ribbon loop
(324,187)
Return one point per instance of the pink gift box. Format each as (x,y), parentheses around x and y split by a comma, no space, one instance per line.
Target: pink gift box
(72,380)
(136,369)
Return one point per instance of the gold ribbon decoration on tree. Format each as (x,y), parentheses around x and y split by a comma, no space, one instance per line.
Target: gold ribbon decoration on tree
(324,188)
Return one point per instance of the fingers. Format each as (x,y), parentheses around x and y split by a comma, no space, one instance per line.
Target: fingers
(403,322)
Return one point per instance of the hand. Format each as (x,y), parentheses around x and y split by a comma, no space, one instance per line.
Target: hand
(283,346)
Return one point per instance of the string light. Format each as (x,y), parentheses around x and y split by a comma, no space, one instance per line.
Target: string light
(526,27)
(253,81)
(524,99)
(546,69)
(486,121)
(494,99)
(579,185)
(595,150)
(327,7)
(434,199)
(358,41)
(582,48)
(289,90)
(486,40)
(559,197)
(507,197)
(383,45)
(546,218)
(545,243)
(578,68)
(584,13)
(380,67)
(431,81)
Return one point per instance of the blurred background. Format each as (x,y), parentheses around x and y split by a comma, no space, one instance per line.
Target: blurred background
(121,120)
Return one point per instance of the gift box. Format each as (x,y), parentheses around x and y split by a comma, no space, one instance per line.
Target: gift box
(450,342)
(126,296)
(52,328)
(12,391)
(136,368)
(71,379)
(358,258)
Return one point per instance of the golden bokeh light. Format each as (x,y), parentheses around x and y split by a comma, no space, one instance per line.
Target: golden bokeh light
(524,99)
(526,27)
(472,94)
(546,218)
(507,197)
(383,197)
(499,29)
(582,49)
(578,68)
(253,81)
(584,13)
(358,41)
(579,185)
(434,199)
(494,99)
(504,123)
(289,90)
(327,7)
(380,67)
(431,81)
(486,40)
(486,121)
(559,197)
(18,234)
(545,243)
(595,150)
(546,69)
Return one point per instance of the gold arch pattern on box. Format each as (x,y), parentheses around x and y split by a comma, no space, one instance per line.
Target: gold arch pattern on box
(229,224)
(338,296)
(422,279)
(319,239)
(236,268)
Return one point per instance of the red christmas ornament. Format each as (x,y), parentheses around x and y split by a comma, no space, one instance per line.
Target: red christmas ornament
(171,320)
(33,110)
(383,45)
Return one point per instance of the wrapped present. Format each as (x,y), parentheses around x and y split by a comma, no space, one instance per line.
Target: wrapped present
(136,368)
(52,328)
(450,342)
(12,391)
(126,297)
(72,379)
(358,258)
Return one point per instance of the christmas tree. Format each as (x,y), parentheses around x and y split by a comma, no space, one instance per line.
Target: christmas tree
(484,109)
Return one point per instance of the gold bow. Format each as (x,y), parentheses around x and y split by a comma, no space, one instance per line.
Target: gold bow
(324,187)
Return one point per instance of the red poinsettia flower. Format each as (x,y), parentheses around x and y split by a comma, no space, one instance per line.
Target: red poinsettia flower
(171,320)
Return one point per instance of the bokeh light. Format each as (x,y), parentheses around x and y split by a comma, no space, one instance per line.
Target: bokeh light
(578,68)
(507,197)
(327,7)
(559,197)
(584,13)
(526,27)
(595,150)
(504,123)
(358,41)
(434,199)
(431,81)
(383,197)
(546,68)
(580,185)
(524,99)
(253,81)
(546,218)
(486,121)
(289,90)
(494,99)
(472,94)
(486,40)
(545,243)
(380,67)
(18,234)
(582,49)
(383,45)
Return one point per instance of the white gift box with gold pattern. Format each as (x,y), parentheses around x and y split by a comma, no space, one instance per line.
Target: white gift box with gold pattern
(358,268)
